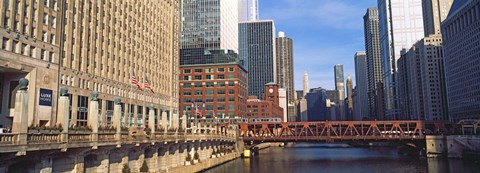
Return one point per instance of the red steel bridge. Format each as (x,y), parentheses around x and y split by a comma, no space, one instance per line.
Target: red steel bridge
(342,130)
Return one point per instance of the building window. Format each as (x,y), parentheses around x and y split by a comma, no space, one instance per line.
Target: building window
(198,85)
(198,92)
(231,91)
(209,107)
(187,93)
(4,43)
(187,85)
(198,100)
(198,70)
(220,107)
(187,71)
(198,77)
(231,76)
(187,100)
(221,76)
(231,99)
(210,77)
(45,18)
(187,78)
(82,112)
(220,69)
(231,107)
(209,70)
(231,83)
(220,99)
(209,100)
(209,84)
(220,91)
(221,84)
(209,92)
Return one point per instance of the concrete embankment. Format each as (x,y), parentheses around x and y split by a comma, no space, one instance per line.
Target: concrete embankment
(205,164)
(269,144)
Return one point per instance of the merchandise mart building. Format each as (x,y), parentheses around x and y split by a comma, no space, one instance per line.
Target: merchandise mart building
(89,46)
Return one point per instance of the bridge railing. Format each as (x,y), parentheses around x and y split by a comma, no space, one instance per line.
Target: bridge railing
(80,137)
(340,130)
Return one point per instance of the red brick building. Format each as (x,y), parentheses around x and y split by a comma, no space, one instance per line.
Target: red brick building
(221,87)
(267,108)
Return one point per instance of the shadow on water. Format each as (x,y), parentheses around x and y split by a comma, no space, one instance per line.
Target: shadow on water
(320,158)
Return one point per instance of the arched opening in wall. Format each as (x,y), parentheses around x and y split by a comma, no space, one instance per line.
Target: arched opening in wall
(151,163)
(133,156)
(63,164)
(115,161)
(91,163)
(149,153)
(26,166)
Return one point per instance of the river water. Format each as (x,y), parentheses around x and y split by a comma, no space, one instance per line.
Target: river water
(343,159)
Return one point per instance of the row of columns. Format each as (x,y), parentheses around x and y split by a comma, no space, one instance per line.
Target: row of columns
(93,116)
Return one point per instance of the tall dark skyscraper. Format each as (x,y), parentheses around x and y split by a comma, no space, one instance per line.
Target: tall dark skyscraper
(374,62)
(461,59)
(284,51)
(340,87)
(361,107)
(257,51)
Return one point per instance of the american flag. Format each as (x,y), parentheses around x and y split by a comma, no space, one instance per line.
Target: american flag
(197,111)
(135,81)
(147,84)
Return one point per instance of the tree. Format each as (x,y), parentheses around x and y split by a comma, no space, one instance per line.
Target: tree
(125,169)
(144,167)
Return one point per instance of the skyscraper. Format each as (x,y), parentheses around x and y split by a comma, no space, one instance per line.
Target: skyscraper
(361,86)
(397,31)
(306,87)
(434,12)
(86,51)
(410,92)
(316,104)
(349,110)
(374,62)
(340,87)
(433,78)
(211,24)
(460,45)
(248,10)
(285,78)
(257,50)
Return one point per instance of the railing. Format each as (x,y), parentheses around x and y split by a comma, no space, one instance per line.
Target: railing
(340,130)
(79,138)
(7,139)
(42,138)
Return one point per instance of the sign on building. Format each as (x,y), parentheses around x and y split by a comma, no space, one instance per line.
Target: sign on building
(45,97)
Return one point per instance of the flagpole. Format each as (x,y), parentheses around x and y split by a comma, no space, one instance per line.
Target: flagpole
(144,112)
(129,102)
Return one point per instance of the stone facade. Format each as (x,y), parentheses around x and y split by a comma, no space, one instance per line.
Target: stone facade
(100,47)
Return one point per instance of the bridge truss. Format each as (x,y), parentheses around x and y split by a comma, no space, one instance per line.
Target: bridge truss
(341,130)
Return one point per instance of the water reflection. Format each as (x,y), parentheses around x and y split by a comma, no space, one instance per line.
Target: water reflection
(321,158)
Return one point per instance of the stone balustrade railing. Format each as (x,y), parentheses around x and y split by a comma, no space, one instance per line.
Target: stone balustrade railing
(7,139)
(42,138)
(106,137)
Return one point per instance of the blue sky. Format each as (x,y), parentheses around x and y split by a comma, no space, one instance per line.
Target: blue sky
(324,33)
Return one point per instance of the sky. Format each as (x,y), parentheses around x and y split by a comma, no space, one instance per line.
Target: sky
(324,33)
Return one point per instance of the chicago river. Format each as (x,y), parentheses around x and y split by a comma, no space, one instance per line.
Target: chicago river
(342,159)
